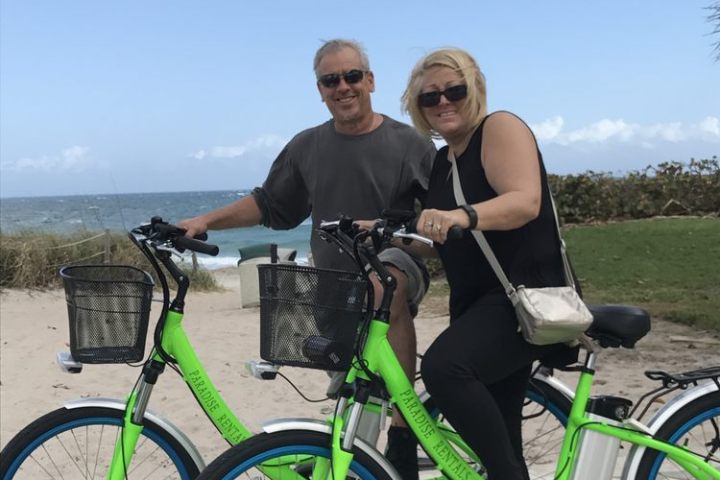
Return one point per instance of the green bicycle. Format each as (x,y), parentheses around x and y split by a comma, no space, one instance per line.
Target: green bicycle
(682,442)
(117,439)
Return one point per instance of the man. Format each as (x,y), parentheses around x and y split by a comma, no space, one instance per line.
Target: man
(358,164)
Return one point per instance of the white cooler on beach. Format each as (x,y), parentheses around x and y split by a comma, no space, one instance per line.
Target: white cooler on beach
(250,258)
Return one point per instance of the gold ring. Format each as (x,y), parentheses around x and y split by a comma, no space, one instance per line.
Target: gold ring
(438,228)
(429,224)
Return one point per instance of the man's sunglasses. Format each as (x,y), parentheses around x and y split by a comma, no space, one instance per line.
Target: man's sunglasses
(332,80)
(453,94)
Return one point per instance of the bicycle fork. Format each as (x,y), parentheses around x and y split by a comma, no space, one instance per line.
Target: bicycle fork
(349,420)
(133,421)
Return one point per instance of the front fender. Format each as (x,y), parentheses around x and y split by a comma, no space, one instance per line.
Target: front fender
(282,424)
(661,416)
(156,418)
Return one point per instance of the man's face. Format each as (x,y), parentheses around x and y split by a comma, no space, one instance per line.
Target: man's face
(349,103)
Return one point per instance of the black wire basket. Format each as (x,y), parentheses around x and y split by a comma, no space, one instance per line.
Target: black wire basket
(309,317)
(108,310)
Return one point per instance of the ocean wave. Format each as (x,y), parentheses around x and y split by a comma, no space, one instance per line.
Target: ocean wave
(216,263)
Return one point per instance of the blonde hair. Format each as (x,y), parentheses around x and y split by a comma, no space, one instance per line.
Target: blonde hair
(461,62)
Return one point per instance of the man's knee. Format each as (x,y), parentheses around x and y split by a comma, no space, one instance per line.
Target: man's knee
(400,308)
(411,276)
(400,304)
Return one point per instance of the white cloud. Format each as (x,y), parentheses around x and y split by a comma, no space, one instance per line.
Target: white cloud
(618,130)
(710,125)
(269,143)
(72,159)
(548,129)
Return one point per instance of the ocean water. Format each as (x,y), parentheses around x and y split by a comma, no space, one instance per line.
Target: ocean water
(122,212)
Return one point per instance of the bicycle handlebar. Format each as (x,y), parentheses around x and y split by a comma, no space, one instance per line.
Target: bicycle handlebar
(160,232)
(392,224)
(182,243)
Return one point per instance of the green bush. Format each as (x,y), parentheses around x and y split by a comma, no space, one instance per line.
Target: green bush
(671,188)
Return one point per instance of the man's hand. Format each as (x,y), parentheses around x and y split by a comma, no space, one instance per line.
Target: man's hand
(365,224)
(193,226)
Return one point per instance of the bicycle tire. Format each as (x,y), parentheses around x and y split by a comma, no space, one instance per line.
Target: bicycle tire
(283,446)
(65,444)
(701,417)
(545,416)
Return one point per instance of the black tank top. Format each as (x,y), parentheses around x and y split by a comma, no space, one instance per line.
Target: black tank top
(529,255)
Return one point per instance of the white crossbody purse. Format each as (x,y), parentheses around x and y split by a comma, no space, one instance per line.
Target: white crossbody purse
(545,315)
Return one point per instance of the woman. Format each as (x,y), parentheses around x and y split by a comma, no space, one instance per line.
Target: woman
(478,369)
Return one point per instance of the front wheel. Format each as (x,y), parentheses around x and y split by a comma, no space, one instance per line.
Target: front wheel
(79,443)
(695,427)
(287,454)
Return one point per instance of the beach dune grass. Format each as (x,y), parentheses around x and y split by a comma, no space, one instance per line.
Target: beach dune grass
(32,259)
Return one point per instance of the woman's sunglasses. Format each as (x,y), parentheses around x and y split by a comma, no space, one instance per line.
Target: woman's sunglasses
(453,94)
(332,80)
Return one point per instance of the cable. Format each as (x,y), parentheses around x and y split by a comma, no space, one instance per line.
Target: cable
(166,303)
(300,393)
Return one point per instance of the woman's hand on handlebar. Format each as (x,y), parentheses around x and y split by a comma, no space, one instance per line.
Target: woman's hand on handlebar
(435,224)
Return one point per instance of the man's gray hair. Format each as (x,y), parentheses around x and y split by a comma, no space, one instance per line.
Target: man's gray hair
(332,46)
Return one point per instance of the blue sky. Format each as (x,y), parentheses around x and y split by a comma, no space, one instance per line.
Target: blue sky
(138,96)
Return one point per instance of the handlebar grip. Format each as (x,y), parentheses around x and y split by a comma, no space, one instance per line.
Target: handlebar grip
(455,233)
(201,236)
(196,246)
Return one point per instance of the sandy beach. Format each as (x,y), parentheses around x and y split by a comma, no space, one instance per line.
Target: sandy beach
(33,327)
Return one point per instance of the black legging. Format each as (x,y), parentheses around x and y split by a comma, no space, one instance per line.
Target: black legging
(477,372)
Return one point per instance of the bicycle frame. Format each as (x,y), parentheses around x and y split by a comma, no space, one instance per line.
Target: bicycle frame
(379,358)
(578,420)
(176,343)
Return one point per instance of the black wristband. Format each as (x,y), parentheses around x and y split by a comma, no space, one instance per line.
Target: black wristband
(472,214)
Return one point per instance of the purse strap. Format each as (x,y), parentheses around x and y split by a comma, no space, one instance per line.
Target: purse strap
(567,269)
(485,246)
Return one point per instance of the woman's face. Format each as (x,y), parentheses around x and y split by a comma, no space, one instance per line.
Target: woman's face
(445,117)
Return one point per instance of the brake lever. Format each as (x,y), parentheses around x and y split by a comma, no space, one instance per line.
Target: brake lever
(380,237)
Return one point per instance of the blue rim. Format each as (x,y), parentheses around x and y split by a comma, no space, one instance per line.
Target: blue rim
(540,399)
(536,397)
(293,450)
(713,412)
(81,422)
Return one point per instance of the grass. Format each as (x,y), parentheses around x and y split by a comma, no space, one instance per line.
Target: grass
(670,266)
(32,259)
